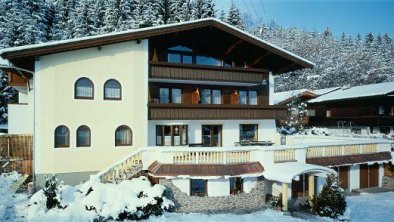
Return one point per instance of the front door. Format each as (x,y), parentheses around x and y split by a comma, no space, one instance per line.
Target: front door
(211,135)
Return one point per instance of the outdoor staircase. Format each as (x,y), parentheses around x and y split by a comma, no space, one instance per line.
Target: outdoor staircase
(124,169)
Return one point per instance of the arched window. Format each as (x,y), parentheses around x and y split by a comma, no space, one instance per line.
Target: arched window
(123,136)
(62,136)
(83,136)
(112,90)
(84,89)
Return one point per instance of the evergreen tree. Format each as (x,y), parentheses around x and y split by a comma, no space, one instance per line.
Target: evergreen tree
(111,16)
(222,15)
(203,9)
(234,17)
(126,15)
(164,10)
(331,200)
(62,23)
(96,14)
(181,11)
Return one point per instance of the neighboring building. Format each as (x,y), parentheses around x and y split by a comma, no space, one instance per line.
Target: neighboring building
(367,109)
(188,103)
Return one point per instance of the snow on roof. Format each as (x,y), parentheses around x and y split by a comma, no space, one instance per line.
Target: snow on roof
(34,46)
(4,62)
(282,96)
(286,172)
(356,92)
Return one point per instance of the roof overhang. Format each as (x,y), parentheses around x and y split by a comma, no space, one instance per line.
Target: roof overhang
(351,159)
(294,62)
(158,169)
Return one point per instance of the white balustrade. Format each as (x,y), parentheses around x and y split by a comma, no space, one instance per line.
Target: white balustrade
(284,155)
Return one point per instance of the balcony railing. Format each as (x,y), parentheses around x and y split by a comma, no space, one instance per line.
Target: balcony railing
(326,151)
(165,70)
(213,157)
(198,111)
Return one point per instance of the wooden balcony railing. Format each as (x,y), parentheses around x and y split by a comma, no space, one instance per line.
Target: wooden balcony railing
(165,70)
(191,112)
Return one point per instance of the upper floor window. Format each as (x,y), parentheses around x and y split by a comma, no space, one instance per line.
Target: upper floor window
(112,90)
(247,97)
(123,136)
(207,60)
(209,96)
(180,54)
(168,95)
(84,89)
(83,136)
(62,136)
(171,135)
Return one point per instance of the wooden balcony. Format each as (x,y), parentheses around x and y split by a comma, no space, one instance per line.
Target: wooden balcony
(165,70)
(198,111)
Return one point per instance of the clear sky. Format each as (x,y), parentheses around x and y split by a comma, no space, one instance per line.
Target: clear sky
(349,16)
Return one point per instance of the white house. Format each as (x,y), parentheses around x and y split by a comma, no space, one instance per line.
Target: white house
(186,103)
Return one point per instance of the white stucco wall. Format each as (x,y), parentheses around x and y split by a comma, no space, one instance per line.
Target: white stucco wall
(381,174)
(54,88)
(249,183)
(230,129)
(354,177)
(183,185)
(218,187)
(20,119)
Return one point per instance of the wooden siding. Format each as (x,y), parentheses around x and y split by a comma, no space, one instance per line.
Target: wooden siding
(164,70)
(17,151)
(192,112)
(16,80)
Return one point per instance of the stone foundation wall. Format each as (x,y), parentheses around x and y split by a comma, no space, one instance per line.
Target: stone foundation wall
(243,202)
(388,182)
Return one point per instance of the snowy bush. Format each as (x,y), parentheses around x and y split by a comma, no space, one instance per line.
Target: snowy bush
(331,200)
(131,199)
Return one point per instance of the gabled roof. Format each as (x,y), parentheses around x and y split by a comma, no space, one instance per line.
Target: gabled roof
(146,33)
(380,89)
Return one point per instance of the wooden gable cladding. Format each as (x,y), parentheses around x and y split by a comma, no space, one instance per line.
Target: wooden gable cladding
(16,80)
(214,112)
(164,70)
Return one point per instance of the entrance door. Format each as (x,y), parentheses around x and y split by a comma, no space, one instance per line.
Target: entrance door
(363,176)
(300,188)
(211,135)
(374,175)
(343,176)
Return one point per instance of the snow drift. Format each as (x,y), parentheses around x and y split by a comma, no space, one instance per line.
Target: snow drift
(131,199)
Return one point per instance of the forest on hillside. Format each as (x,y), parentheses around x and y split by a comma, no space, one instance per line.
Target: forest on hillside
(347,60)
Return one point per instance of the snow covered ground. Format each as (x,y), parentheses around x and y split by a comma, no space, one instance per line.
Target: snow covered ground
(362,208)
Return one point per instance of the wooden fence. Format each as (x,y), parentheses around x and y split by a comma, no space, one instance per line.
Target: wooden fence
(16,153)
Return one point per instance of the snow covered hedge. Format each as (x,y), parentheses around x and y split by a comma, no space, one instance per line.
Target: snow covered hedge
(131,199)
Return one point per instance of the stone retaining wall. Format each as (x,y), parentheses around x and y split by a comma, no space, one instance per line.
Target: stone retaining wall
(243,202)
(388,182)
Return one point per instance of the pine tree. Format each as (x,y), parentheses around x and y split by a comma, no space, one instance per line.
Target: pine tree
(80,19)
(181,11)
(96,13)
(234,17)
(203,9)
(164,10)
(127,15)
(111,16)
(331,200)
(62,23)
(222,15)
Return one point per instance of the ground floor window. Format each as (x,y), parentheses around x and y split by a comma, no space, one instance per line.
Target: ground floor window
(176,135)
(248,132)
(198,187)
(236,185)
